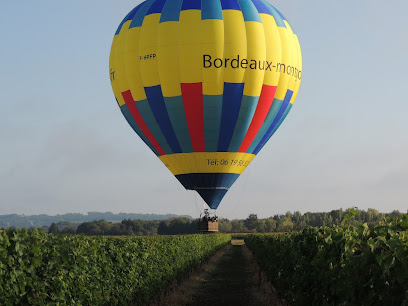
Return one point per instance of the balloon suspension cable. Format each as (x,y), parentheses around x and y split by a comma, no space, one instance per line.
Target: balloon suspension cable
(236,207)
(196,204)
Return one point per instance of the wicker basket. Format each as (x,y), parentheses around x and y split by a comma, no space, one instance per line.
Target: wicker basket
(208,226)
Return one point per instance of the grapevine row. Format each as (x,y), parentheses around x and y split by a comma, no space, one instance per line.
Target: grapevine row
(355,265)
(41,269)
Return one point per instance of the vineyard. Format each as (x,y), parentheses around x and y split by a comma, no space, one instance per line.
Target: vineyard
(347,265)
(39,269)
(351,265)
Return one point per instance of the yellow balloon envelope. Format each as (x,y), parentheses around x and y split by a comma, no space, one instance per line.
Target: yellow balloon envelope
(205,84)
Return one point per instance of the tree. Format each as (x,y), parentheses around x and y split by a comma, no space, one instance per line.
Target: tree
(68,230)
(337,216)
(349,216)
(297,220)
(285,224)
(225,226)
(177,226)
(270,225)
(93,228)
(266,225)
(238,226)
(53,229)
(373,215)
(251,222)
(395,214)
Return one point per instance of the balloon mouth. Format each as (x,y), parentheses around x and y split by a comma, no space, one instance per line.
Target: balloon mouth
(212,197)
(212,187)
(209,188)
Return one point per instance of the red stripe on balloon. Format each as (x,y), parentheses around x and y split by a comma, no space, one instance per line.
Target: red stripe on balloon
(130,103)
(262,109)
(193,107)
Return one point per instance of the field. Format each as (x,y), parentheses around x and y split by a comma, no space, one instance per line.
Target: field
(347,265)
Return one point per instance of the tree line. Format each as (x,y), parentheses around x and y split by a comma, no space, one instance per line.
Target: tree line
(36,221)
(182,225)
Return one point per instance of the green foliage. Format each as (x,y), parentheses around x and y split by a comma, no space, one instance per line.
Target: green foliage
(252,222)
(73,219)
(178,226)
(41,269)
(183,225)
(285,223)
(350,215)
(297,221)
(354,265)
(53,229)
(172,226)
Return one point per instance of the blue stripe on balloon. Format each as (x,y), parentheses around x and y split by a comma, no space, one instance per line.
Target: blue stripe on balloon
(276,14)
(128,17)
(280,14)
(288,108)
(126,113)
(261,7)
(171,11)
(276,121)
(273,9)
(175,109)
(212,105)
(230,110)
(191,5)
(156,101)
(230,5)
(249,11)
(279,17)
(146,112)
(246,113)
(137,20)
(273,111)
(211,9)
(284,116)
(157,7)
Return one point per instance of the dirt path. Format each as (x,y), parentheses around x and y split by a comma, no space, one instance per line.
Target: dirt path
(230,278)
(229,282)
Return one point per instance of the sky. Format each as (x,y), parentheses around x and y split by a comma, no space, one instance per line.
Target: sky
(66,148)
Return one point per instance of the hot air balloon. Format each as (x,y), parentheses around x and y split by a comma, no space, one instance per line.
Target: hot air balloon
(205,84)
